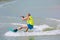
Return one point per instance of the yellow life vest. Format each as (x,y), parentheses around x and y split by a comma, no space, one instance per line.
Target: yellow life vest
(30,21)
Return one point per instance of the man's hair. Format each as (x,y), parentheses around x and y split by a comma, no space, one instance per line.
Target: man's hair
(29,14)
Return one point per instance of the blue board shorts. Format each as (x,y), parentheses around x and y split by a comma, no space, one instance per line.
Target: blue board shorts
(30,26)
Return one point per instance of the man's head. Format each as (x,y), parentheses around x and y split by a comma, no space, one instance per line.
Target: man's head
(29,14)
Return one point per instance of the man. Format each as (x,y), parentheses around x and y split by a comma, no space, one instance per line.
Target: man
(30,22)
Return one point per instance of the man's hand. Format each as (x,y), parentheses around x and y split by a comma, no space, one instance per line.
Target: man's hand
(22,16)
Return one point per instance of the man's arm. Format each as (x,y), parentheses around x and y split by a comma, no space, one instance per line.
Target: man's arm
(25,18)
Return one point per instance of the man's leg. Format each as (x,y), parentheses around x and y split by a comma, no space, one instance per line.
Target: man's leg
(23,26)
(19,28)
(26,29)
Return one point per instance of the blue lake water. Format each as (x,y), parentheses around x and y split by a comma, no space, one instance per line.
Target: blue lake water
(39,9)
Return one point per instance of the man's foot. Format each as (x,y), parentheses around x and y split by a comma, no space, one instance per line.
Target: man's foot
(15,30)
(25,31)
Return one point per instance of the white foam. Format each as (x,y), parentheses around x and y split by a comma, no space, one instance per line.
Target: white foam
(41,27)
(36,31)
(54,19)
(17,24)
(54,32)
(7,3)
